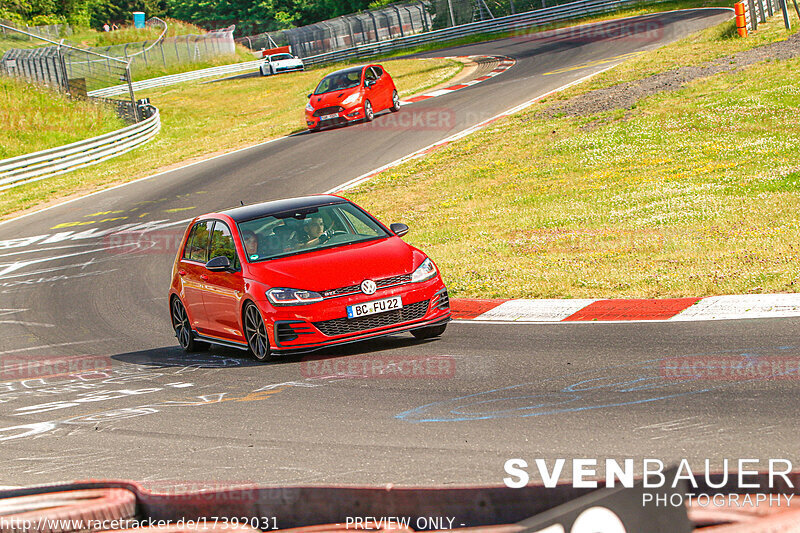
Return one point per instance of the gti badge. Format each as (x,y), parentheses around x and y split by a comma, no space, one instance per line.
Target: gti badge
(368,286)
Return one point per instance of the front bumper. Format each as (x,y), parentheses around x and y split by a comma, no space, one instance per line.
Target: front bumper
(422,307)
(289,69)
(350,114)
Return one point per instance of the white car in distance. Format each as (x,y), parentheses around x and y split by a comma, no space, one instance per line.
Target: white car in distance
(277,63)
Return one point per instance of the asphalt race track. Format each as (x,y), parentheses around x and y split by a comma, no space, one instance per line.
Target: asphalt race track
(393,410)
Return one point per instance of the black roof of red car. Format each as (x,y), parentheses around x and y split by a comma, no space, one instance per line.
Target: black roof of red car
(249,212)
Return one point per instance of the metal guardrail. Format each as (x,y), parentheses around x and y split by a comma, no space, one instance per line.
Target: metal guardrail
(172,79)
(520,21)
(48,163)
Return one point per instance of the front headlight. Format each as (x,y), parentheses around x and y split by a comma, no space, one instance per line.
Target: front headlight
(352,99)
(424,272)
(309,107)
(281,296)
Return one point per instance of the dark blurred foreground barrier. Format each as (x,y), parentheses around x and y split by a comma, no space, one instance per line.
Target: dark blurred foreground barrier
(530,509)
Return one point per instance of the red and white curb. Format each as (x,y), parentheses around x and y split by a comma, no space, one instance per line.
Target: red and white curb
(730,307)
(505,64)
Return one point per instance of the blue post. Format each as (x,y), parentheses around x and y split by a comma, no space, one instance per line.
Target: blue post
(138,19)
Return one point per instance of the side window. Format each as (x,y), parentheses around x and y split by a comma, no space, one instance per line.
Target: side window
(187,250)
(378,71)
(197,245)
(222,242)
(370,75)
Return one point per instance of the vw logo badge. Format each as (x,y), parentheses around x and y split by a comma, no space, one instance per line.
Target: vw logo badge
(368,286)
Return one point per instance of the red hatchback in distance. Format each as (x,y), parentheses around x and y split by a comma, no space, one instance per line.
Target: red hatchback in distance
(354,93)
(298,275)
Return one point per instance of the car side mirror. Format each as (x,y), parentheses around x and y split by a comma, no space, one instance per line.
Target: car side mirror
(399,229)
(219,264)
(369,83)
(309,96)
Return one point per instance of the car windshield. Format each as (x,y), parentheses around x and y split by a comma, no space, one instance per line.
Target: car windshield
(345,79)
(281,57)
(311,229)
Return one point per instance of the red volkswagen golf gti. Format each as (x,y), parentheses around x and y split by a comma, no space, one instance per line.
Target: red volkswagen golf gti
(354,93)
(298,275)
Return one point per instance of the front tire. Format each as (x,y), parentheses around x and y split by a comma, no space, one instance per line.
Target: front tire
(395,102)
(256,333)
(368,113)
(183,328)
(429,332)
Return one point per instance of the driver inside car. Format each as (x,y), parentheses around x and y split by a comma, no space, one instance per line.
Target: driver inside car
(313,233)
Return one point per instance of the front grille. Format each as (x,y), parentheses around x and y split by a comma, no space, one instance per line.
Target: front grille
(381,283)
(343,326)
(332,122)
(328,111)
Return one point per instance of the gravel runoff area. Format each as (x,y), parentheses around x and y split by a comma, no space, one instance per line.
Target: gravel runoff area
(625,95)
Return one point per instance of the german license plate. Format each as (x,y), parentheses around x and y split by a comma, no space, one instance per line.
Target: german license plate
(328,117)
(373,307)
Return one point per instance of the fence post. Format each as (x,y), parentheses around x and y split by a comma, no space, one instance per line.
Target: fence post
(375,25)
(751,7)
(65,77)
(452,17)
(770,11)
(761,17)
(130,91)
(785,10)
(163,57)
(399,19)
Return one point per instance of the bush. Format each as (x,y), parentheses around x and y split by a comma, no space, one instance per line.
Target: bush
(46,20)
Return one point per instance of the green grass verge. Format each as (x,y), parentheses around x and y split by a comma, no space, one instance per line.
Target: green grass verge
(200,120)
(691,193)
(33,118)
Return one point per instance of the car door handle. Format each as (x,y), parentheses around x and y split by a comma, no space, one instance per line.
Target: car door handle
(203,277)
(181,272)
